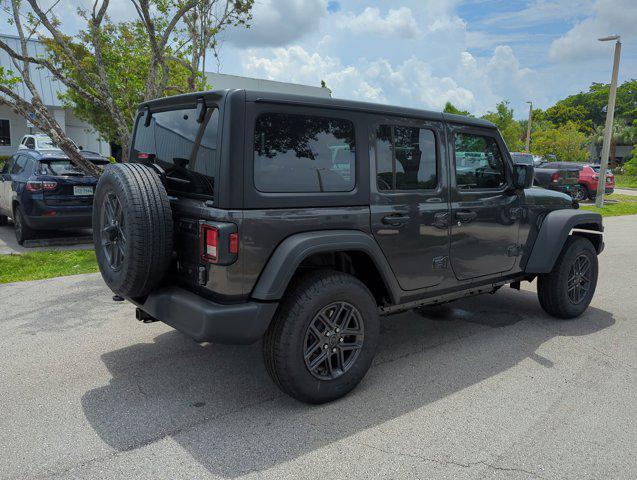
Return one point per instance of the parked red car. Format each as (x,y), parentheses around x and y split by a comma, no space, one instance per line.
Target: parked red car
(588,181)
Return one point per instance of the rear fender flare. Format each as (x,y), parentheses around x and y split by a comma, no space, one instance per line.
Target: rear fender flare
(287,257)
(553,233)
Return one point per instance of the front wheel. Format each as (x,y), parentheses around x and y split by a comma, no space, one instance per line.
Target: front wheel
(568,289)
(323,339)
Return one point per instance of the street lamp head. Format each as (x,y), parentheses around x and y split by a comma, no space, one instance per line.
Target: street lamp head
(610,38)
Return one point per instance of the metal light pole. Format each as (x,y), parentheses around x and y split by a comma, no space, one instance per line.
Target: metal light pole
(528,128)
(608,129)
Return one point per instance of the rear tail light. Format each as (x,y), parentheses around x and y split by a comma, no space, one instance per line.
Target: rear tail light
(38,186)
(555,177)
(219,243)
(210,243)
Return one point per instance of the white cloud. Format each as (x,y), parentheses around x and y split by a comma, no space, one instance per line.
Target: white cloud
(279,22)
(397,23)
(610,17)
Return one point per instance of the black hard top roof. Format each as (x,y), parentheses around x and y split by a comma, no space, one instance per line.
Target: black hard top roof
(310,101)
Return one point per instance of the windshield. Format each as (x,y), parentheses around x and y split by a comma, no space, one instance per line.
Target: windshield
(63,167)
(45,143)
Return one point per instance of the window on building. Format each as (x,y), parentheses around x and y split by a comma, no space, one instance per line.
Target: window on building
(405,158)
(5,132)
(302,153)
(479,162)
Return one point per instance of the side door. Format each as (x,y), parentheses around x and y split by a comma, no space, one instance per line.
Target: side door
(484,209)
(5,186)
(409,199)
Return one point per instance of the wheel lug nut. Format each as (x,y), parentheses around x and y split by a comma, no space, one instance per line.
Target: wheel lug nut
(325,346)
(334,350)
(338,330)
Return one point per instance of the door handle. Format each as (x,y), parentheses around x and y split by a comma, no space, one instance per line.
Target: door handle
(466,215)
(396,220)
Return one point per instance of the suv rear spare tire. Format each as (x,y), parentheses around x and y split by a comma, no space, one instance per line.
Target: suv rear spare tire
(132,229)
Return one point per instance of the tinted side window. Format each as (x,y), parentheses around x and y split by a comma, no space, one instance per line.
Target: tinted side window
(479,162)
(30,142)
(405,158)
(20,165)
(302,153)
(185,149)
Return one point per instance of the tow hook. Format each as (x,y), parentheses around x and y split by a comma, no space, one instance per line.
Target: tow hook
(142,316)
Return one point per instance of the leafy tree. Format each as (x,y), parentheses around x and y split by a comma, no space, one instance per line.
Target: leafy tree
(561,114)
(87,63)
(451,108)
(566,142)
(510,129)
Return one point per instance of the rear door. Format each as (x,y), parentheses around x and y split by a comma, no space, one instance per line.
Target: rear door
(410,205)
(484,209)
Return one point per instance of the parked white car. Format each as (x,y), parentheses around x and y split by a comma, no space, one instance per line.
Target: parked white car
(39,141)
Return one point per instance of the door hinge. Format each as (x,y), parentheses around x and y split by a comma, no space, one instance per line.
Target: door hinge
(440,263)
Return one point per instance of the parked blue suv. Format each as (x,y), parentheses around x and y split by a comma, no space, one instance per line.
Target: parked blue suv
(43,190)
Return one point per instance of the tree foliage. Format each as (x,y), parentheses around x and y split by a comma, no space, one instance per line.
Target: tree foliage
(510,129)
(451,108)
(566,142)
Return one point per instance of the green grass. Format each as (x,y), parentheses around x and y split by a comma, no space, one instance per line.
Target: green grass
(618,205)
(39,265)
(629,181)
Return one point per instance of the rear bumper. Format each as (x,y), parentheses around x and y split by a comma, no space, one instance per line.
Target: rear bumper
(568,189)
(63,220)
(206,321)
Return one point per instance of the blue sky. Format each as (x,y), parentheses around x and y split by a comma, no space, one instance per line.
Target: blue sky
(422,53)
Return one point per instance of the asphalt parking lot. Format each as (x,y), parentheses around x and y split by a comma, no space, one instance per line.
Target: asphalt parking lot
(79,239)
(488,387)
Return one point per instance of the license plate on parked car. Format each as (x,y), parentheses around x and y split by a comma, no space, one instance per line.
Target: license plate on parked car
(81,191)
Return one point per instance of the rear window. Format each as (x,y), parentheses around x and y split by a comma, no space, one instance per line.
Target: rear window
(302,153)
(62,167)
(522,158)
(184,148)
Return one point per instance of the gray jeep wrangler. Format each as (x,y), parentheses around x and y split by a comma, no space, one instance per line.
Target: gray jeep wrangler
(246,215)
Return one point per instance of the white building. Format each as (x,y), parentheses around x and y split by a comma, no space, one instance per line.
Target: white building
(13,127)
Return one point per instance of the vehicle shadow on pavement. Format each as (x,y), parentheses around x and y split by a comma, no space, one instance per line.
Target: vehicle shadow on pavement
(219,405)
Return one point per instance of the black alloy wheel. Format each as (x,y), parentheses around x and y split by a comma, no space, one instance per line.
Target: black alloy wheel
(333,340)
(579,279)
(113,238)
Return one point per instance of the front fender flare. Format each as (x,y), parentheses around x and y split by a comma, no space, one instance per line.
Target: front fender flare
(293,250)
(554,231)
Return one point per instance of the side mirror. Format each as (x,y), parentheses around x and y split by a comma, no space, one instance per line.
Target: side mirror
(523,176)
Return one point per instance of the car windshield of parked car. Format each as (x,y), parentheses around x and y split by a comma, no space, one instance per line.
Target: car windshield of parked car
(61,167)
(45,143)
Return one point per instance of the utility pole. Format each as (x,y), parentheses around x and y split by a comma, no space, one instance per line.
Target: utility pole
(608,129)
(528,128)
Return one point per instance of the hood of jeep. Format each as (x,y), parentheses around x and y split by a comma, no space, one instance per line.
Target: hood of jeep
(548,198)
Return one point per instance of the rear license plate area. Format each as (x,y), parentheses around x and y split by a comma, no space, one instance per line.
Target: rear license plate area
(82,191)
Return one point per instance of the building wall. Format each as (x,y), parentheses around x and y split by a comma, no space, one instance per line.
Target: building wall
(78,130)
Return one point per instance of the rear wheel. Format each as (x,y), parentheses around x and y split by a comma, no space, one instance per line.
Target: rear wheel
(323,338)
(22,231)
(568,289)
